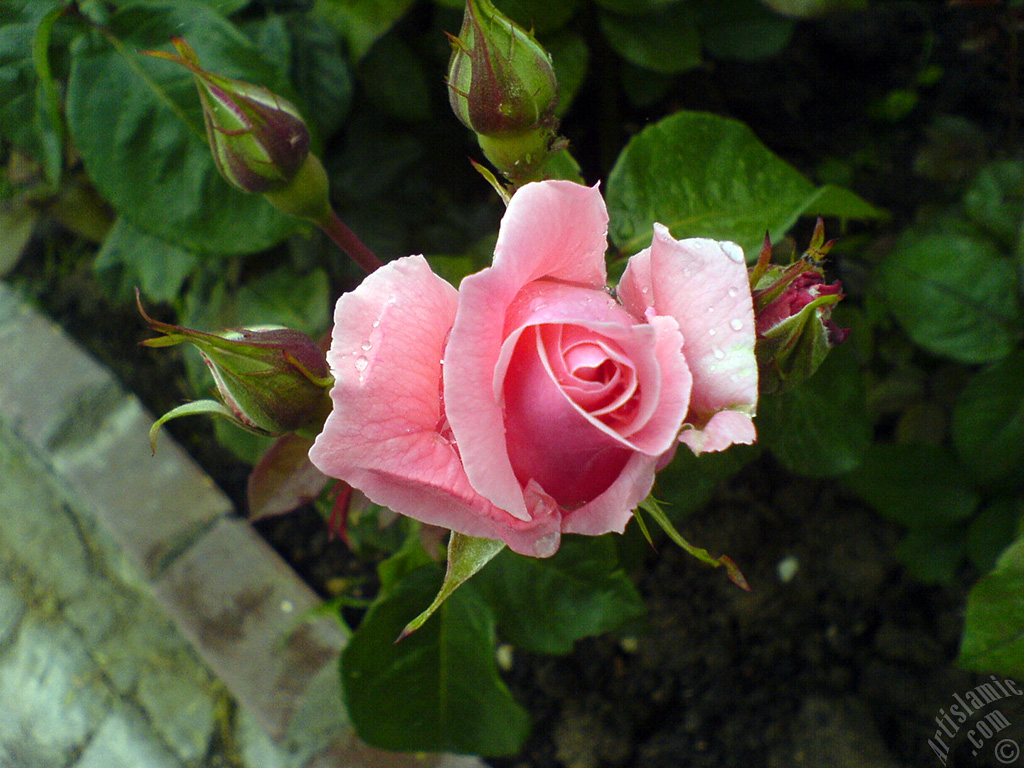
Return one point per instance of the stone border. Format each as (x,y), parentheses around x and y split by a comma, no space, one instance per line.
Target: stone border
(245,610)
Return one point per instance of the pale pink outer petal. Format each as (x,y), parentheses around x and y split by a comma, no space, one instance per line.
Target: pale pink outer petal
(384,435)
(724,429)
(612,509)
(552,229)
(704,285)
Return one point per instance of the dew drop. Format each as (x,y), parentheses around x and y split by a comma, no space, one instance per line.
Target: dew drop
(733,251)
(366,345)
(736,324)
(712,331)
(732,293)
(547,545)
(376,323)
(361,363)
(718,353)
(392,299)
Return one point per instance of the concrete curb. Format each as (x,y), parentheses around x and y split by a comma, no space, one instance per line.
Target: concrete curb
(242,607)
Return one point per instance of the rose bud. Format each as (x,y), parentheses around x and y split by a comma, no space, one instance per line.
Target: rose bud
(259,140)
(793,309)
(271,381)
(502,86)
(531,402)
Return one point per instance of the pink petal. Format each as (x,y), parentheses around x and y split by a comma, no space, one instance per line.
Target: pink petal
(724,429)
(552,229)
(612,510)
(550,441)
(384,434)
(704,285)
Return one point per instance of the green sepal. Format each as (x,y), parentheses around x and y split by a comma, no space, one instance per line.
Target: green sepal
(651,507)
(466,556)
(195,408)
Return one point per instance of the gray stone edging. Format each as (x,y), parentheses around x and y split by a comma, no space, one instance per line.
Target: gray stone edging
(242,607)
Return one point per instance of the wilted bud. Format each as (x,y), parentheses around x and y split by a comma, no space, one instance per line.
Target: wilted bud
(259,140)
(502,85)
(270,381)
(793,315)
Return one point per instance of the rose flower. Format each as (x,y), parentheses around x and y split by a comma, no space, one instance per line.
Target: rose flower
(530,402)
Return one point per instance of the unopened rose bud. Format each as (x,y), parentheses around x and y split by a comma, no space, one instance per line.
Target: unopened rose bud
(793,315)
(271,381)
(502,86)
(259,140)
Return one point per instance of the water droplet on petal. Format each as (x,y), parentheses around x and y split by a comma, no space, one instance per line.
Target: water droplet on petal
(718,353)
(392,299)
(376,323)
(732,293)
(361,363)
(732,250)
(712,331)
(366,345)
(736,324)
(547,545)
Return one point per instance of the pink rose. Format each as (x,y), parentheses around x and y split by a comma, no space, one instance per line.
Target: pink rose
(530,402)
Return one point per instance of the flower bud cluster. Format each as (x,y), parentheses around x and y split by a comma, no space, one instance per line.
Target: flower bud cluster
(260,142)
(793,313)
(272,381)
(501,85)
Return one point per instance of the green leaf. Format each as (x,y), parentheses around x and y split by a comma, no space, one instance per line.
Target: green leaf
(409,557)
(993,639)
(634,7)
(821,427)
(993,530)
(651,507)
(137,122)
(541,16)
(743,30)
(995,200)
(569,55)
(466,556)
(916,485)
(988,423)
(438,690)
(544,605)
(830,200)
(284,297)
(131,258)
(932,555)
(51,126)
(953,292)
(223,7)
(361,22)
(643,87)
(806,8)
(393,79)
(321,74)
(26,99)
(665,41)
(704,176)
